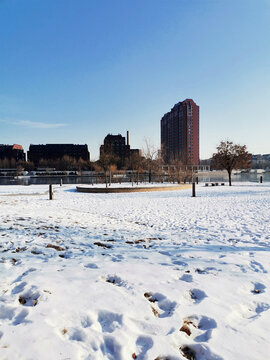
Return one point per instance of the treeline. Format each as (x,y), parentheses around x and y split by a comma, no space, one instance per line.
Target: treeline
(150,166)
(66,163)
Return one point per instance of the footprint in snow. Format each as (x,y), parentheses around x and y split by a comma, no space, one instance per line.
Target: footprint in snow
(196,295)
(180,263)
(111,348)
(248,311)
(109,321)
(77,335)
(18,288)
(207,270)
(261,307)
(36,251)
(91,266)
(29,297)
(19,278)
(199,327)
(15,261)
(115,280)
(258,288)
(198,352)
(21,318)
(117,258)
(187,278)
(143,344)
(161,306)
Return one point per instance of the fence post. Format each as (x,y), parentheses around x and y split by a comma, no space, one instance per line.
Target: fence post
(51,191)
(197,180)
(261,179)
(61,182)
(193,190)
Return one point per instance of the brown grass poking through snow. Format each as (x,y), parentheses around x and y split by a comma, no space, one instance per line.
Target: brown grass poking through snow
(55,247)
(155,312)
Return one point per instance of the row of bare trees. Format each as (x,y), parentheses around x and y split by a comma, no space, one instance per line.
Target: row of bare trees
(9,163)
(151,165)
(62,164)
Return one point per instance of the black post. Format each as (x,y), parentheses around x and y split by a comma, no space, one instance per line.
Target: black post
(51,191)
(261,178)
(193,190)
(197,180)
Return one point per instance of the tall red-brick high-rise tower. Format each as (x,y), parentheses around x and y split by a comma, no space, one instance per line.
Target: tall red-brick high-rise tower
(180,133)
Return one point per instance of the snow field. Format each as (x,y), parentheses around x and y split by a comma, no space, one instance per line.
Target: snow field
(156,275)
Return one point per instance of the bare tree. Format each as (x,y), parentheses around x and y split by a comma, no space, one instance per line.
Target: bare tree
(179,172)
(150,154)
(231,156)
(159,165)
(112,170)
(133,163)
(27,165)
(19,169)
(106,160)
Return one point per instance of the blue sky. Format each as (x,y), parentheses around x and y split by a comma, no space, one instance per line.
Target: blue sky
(72,71)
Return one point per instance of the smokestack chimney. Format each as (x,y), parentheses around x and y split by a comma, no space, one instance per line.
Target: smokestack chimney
(127,137)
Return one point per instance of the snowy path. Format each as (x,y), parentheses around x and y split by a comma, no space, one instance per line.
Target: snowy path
(152,276)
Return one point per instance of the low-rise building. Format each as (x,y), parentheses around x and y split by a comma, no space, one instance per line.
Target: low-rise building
(118,146)
(13,152)
(37,153)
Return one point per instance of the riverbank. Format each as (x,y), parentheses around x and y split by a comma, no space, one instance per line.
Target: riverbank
(210,176)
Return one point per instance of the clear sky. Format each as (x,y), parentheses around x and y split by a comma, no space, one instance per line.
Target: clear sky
(72,71)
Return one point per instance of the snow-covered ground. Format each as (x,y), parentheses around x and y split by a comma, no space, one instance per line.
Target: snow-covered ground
(157,275)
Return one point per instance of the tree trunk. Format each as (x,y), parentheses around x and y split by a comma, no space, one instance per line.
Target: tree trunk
(106,180)
(150,176)
(230,178)
(179,177)
(110,177)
